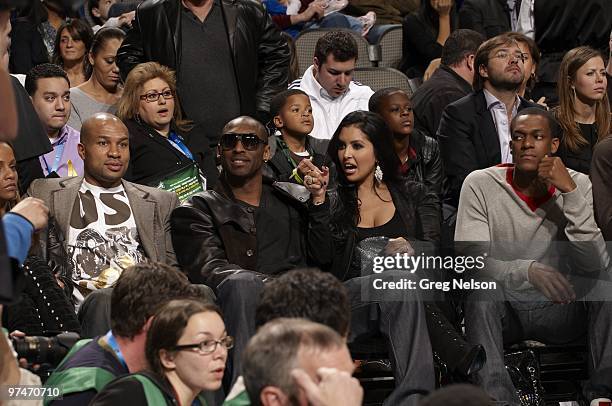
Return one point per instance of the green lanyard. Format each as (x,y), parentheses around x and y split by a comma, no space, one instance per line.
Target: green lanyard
(285,149)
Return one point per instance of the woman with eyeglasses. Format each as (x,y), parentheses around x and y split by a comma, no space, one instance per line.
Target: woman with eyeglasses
(186,349)
(159,136)
(584,108)
(103,89)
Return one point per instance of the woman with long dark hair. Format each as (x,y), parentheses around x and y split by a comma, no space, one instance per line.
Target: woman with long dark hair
(103,89)
(72,43)
(376,212)
(425,33)
(584,109)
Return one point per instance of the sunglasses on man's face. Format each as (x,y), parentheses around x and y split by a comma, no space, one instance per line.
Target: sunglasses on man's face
(249,141)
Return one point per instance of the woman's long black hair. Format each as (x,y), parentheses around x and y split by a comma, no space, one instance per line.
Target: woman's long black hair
(346,208)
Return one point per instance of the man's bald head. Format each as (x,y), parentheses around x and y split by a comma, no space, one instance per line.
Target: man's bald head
(104,149)
(257,127)
(93,124)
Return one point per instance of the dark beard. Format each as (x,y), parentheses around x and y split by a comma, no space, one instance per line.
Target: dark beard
(503,84)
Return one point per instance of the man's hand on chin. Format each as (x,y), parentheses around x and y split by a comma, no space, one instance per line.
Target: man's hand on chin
(552,171)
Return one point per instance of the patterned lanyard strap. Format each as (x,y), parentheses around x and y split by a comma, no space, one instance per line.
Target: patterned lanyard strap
(178,143)
(285,149)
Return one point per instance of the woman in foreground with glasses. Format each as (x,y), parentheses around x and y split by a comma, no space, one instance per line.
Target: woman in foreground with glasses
(186,349)
(159,137)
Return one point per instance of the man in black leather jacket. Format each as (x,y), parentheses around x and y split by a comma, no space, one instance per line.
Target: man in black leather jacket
(229,57)
(249,229)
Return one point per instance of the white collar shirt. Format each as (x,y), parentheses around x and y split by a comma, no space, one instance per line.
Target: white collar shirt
(502,124)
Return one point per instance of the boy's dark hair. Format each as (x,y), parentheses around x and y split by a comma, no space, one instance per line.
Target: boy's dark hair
(553,124)
(141,291)
(459,44)
(376,98)
(43,71)
(306,293)
(341,44)
(278,101)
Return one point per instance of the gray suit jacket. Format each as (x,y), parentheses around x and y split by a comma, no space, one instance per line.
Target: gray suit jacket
(151,208)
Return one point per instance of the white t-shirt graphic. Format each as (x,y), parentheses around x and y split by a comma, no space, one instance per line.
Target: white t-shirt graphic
(102,239)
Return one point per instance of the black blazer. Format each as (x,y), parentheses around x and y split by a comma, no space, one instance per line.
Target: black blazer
(468,141)
(27,47)
(488,17)
(429,100)
(152,156)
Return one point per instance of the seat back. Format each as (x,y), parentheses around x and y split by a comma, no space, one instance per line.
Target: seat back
(380,78)
(390,44)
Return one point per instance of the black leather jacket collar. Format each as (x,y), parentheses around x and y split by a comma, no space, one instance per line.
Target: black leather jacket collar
(260,55)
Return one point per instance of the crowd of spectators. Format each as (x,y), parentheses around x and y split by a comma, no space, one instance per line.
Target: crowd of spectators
(213,230)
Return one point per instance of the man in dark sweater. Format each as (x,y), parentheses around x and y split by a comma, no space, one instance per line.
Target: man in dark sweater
(450,82)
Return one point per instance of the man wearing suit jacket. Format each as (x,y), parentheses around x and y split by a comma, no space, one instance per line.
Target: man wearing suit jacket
(107,223)
(474,132)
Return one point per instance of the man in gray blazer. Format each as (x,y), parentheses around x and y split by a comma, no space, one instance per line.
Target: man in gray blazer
(103,223)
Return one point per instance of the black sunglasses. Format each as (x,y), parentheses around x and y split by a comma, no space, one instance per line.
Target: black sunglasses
(250,141)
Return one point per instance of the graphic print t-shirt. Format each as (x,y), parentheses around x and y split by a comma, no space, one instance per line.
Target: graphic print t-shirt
(103,239)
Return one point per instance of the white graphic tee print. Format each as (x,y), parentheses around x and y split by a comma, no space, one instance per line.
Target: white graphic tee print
(103,239)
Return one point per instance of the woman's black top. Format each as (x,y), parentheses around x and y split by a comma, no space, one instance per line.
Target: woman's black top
(393,228)
(152,156)
(417,209)
(580,160)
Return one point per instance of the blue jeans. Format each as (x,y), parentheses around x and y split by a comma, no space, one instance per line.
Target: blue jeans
(339,20)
